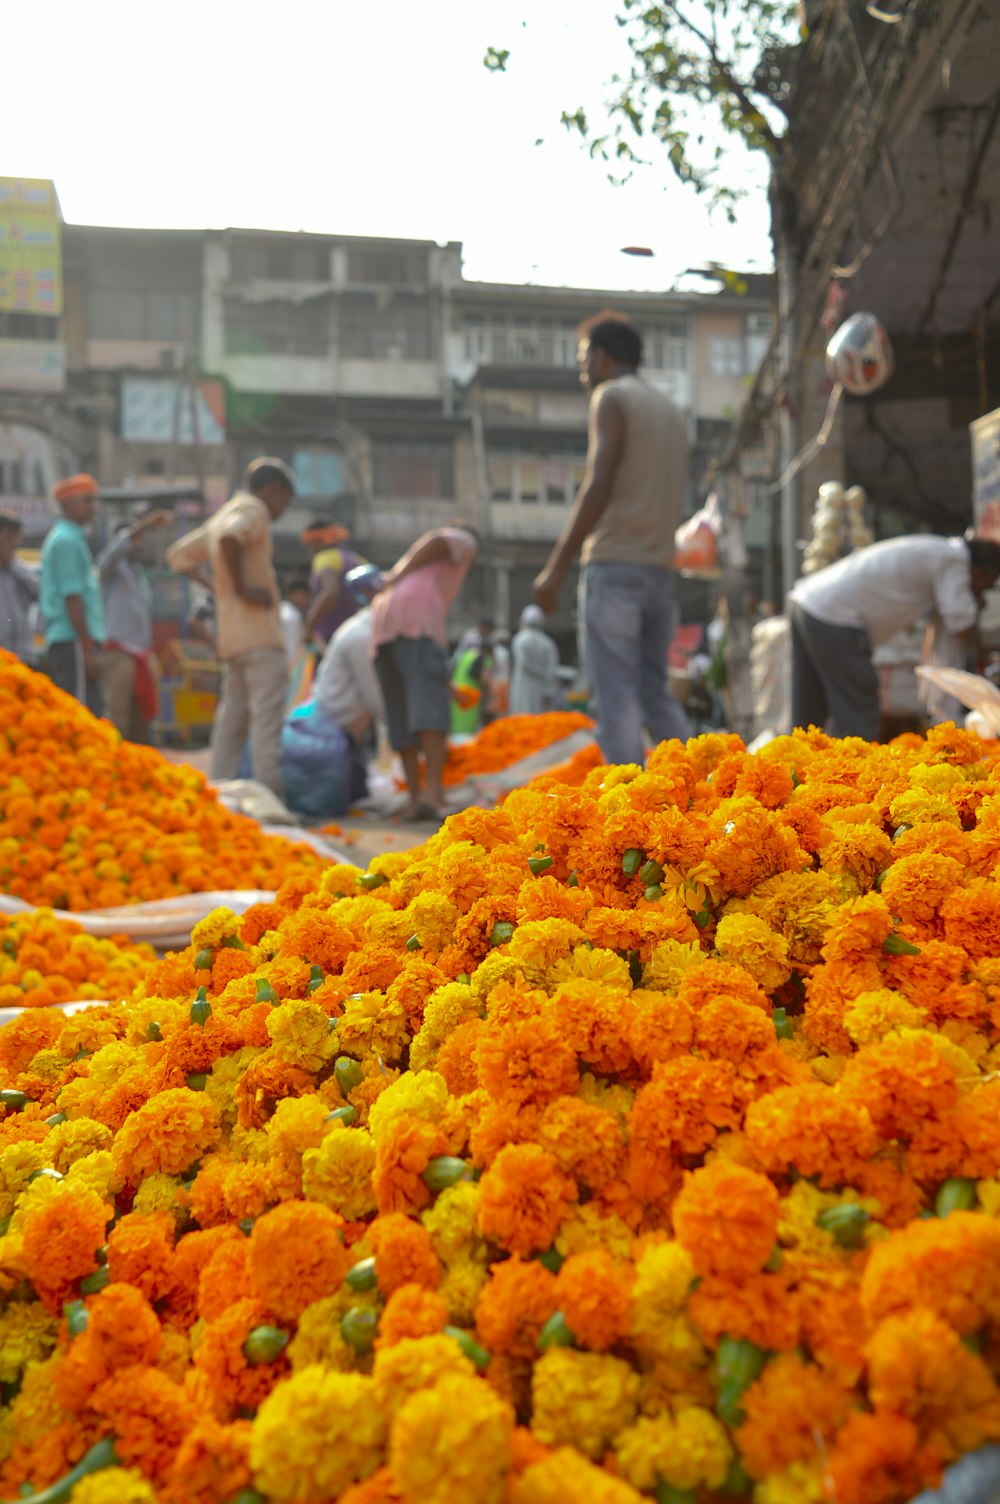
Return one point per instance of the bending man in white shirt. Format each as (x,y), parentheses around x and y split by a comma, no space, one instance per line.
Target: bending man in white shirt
(841,613)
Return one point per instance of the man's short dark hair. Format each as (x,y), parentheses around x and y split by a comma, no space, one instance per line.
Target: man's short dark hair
(9,524)
(268,471)
(984,553)
(613,334)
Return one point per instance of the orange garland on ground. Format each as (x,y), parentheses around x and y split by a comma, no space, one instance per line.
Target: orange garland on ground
(510,739)
(89,821)
(47,960)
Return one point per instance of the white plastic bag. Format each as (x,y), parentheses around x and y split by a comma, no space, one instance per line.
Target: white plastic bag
(971,690)
(165,922)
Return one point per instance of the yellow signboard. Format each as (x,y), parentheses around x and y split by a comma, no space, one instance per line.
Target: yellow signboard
(30,247)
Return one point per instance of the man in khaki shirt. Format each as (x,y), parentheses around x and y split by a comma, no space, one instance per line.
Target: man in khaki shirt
(235,545)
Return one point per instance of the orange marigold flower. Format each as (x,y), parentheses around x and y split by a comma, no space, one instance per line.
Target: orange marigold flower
(813,1130)
(678,1113)
(212,1463)
(950,1267)
(234,1385)
(141,1253)
(61,1240)
(786,1409)
(514,1305)
(876,1460)
(411,1311)
(523,1198)
(527,1060)
(148,1415)
(166,1135)
(404,1253)
(902,1082)
(727,1219)
(919,1366)
(594,1294)
(402,1154)
(296,1256)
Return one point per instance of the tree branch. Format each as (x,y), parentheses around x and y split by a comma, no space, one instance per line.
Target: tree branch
(726,74)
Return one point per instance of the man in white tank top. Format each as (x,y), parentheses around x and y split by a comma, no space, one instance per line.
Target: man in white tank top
(622,525)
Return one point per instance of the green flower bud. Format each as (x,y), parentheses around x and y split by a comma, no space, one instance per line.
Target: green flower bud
(358,1327)
(362,1276)
(632,860)
(13,1100)
(502,932)
(56,1119)
(653,893)
(264,1344)
(900,831)
(650,873)
(196,1080)
(470,1347)
(372,880)
(201,1010)
(539,864)
(203,960)
(895,945)
(266,993)
(552,1260)
(573,881)
(955,1195)
(315,978)
(154,1031)
(444,1170)
(666,1493)
(346,1115)
(93,1283)
(77,1317)
(555,1333)
(413,943)
(347,1074)
(738,1362)
(845,1224)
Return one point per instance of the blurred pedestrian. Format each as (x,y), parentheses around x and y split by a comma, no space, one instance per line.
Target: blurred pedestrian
(411,658)
(499,695)
(471,681)
(332,602)
(623,524)
(841,613)
(293,611)
(534,686)
(129,673)
(236,543)
(70,595)
(18,594)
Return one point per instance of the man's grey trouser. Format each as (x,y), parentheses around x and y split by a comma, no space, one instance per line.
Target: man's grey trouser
(834,683)
(251,706)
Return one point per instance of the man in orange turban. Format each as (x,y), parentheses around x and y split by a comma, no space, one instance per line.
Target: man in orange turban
(70,595)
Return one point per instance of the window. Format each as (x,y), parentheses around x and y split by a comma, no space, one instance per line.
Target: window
(725,355)
(397,268)
(518,341)
(665,346)
(318,472)
(279,261)
(411,469)
(125,313)
(535,470)
(399,329)
(277,328)
(759,331)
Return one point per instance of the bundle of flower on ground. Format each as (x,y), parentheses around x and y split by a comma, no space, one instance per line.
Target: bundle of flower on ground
(46,960)
(506,741)
(635,1141)
(88,821)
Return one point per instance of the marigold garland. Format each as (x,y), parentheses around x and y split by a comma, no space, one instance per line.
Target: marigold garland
(640,1139)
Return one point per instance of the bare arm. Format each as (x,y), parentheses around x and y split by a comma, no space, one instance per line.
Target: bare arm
(430,549)
(592,498)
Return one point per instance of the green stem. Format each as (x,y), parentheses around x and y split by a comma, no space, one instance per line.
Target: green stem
(101,1455)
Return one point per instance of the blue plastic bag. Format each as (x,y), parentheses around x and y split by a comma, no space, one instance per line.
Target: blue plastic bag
(317,762)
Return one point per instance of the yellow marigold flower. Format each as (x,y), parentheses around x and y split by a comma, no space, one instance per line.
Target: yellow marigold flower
(452,1444)
(743,940)
(373,1022)
(158,1193)
(689,1451)
(587,1227)
(444,1010)
(540,943)
(798,1211)
(114,1485)
(461,1288)
(17,1163)
(423,1095)
(223,1079)
(217,926)
(663,1279)
(564,1475)
(597,965)
(74,1140)
(873,1015)
(339,1172)
(497,967)
(166,1134)
(317,1337)
(301,1034)
(920,807)
(451,1220)
(668,963)
(340,880)
(799,1483)
(298,1124)
(937,777)
(315,1434)
(610,1096)
(432,918)
(97,1172)
(415,1363)
(582,1398)
(27,1335)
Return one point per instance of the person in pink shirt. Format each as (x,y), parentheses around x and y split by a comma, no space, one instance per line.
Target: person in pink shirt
(411,656)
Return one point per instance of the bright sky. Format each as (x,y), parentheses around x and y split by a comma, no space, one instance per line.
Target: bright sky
(363,117)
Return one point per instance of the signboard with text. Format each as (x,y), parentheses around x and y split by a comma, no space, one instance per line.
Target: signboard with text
(986,474)
(32,365)
(30,247)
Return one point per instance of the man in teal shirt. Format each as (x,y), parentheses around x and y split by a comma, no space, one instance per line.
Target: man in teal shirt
(70,596)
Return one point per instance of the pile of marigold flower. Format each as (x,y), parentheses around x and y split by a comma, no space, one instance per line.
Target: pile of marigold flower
(633,1141)
(46,960)
(508,740)
(88,821)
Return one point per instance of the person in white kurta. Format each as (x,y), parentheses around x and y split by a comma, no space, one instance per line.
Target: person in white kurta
(534,684)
